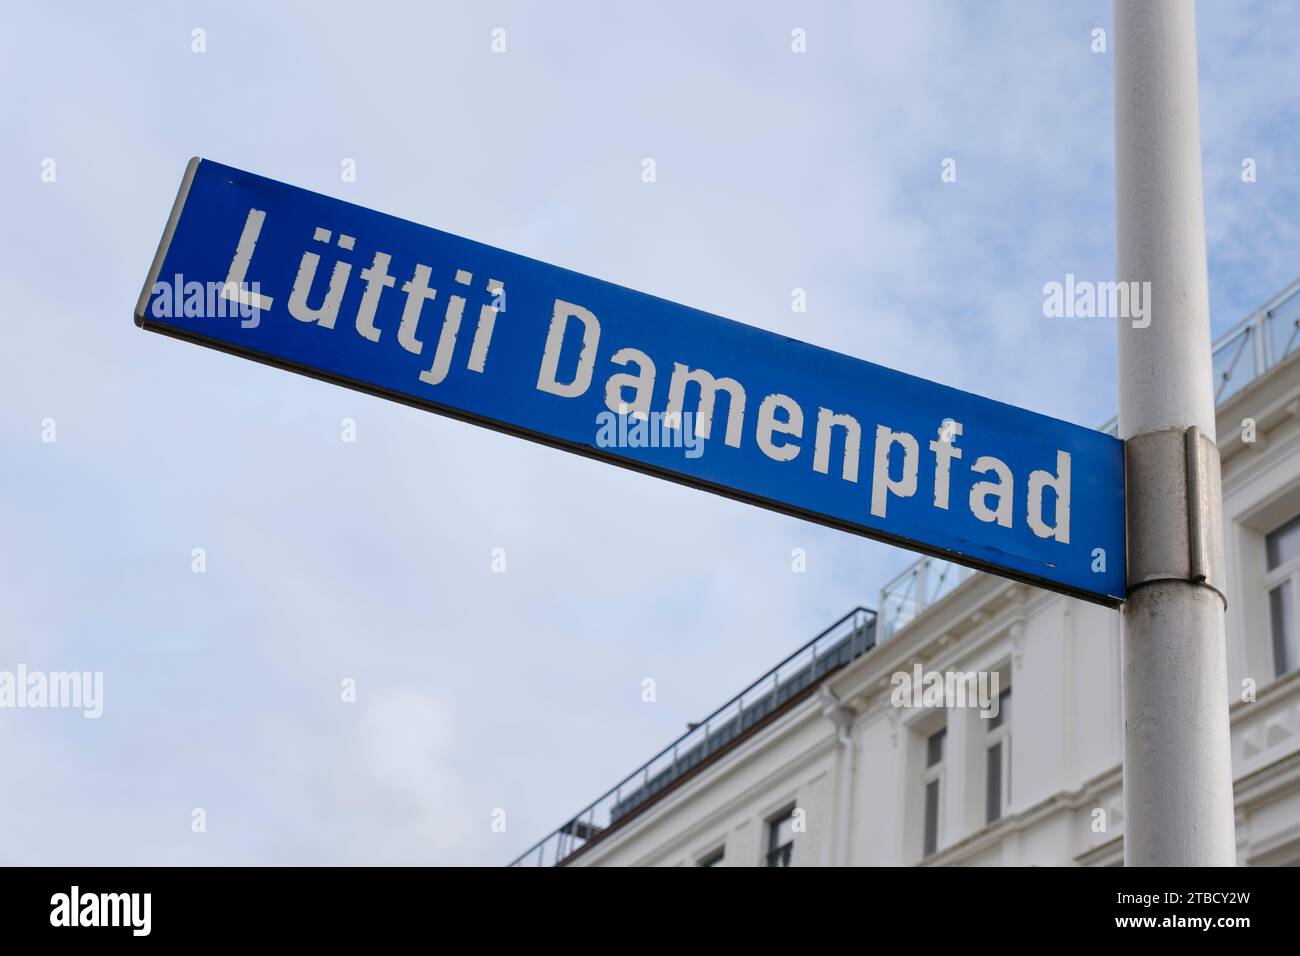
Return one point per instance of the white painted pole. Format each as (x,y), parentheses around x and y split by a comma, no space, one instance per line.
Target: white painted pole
(1178,806)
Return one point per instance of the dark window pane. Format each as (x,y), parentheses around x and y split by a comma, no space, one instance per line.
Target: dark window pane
(1004,710)
(1281,609)
(931,817)
(780,839)
(714,859)
(780,857)
(1283,544)
(993,802)
(934,747)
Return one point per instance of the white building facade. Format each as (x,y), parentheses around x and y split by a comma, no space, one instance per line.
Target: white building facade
(817,765)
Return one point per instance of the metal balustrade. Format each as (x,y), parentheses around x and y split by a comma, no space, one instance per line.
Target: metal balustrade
(848,638)
(925,582)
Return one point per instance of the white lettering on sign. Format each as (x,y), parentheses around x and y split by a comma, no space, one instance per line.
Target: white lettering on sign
(706,401)
(779,425)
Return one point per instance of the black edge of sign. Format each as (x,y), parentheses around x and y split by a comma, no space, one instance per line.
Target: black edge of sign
(182,194)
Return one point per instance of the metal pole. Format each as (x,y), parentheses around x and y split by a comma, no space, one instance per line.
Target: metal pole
(1178,806)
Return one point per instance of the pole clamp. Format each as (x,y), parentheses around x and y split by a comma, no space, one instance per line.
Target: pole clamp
(1173,509)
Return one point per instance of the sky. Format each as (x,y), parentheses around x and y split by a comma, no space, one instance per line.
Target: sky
(370,562)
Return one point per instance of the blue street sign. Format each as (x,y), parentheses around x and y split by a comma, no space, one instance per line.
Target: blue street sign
(363,299)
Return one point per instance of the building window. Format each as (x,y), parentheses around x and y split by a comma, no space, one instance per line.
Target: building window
(1282,582)
(715,858)
(780,839)
(934,745)
(997,791)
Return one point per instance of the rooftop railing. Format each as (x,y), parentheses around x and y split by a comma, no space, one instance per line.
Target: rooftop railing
(925,582)
(848,638)
(1239,356)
